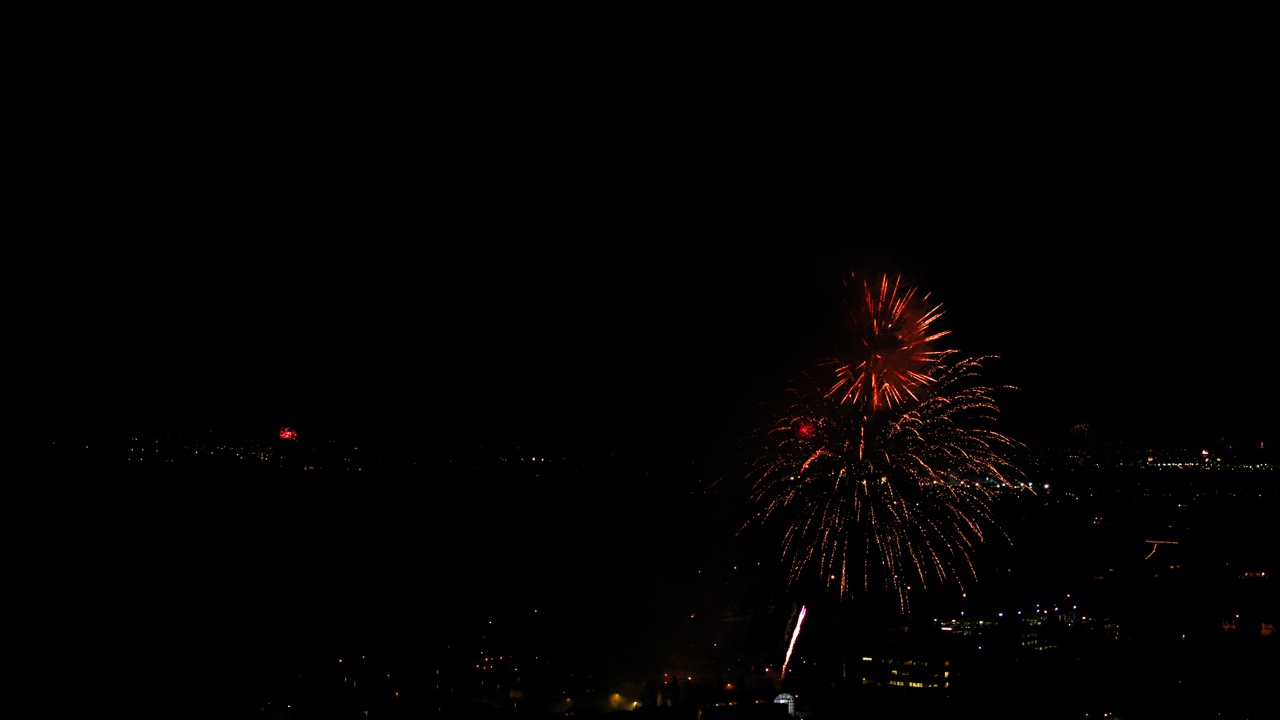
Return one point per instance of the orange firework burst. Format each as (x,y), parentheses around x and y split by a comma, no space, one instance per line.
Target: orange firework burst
(893,353)
(884,466)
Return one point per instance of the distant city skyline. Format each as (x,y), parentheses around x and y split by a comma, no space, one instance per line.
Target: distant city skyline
(258,576)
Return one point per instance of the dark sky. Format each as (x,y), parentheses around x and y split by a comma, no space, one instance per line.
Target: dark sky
(425,222)
(422,223)
(381,217)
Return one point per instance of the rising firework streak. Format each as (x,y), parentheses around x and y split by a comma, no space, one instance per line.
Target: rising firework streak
(795,633)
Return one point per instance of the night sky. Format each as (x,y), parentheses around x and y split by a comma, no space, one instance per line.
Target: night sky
(421,228)
(411,220)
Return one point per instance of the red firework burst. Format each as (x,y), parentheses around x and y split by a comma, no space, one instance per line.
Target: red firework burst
(894,353)
(885,464)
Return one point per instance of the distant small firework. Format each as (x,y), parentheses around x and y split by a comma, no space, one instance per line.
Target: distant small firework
(287,434)
(885,464)
(792,645)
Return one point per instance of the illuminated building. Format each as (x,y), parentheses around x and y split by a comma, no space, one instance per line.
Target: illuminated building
(912,672)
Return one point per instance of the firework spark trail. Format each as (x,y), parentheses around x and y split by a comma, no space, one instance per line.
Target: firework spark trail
(885,453)
(794,634)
